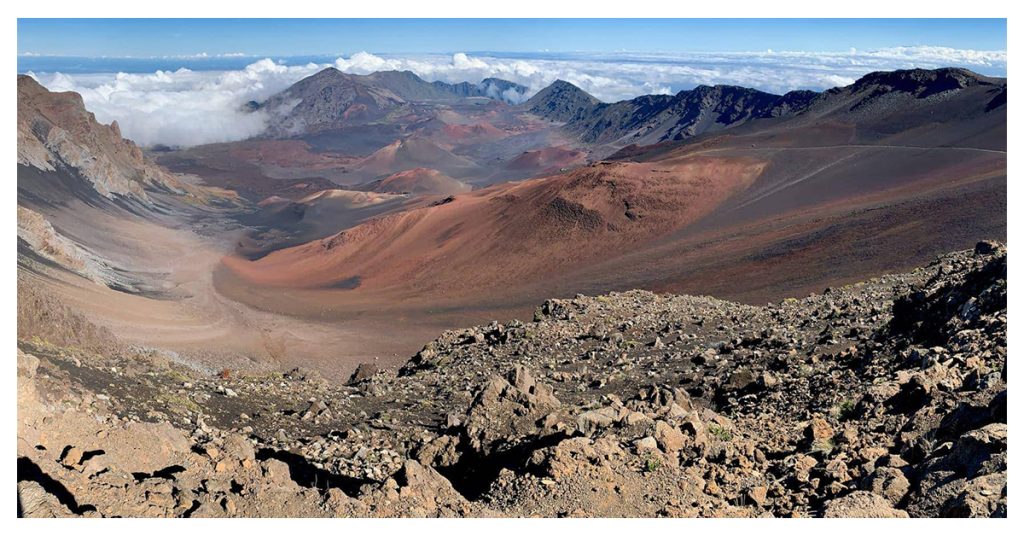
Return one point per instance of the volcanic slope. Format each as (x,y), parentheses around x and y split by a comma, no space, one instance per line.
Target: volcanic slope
(654,118)
(72,169)
(115,252)
(336,129)
(410,153)
(419,181)
(331,99)
(512,232)
(869,178)
(872,177)
(278,222)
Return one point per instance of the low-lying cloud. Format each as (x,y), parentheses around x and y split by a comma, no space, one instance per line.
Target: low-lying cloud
(183,107)
(186,107)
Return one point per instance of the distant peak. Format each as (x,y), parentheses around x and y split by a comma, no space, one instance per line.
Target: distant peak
(329,71)
(561,88)
(564,85)
(28,84)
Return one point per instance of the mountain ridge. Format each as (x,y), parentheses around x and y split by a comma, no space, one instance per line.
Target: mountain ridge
(649,119)
(331,98)
(56,132)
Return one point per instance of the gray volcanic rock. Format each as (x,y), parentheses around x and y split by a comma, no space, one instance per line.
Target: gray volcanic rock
(882,104)
(703,109)
(332,99)
(412,88)
(494,88)
(862,504)
(921,83)
(561,101)
(653,118)
(328,99)
(650,119)
(792,103)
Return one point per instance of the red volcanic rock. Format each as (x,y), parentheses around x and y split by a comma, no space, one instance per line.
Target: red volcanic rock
(420,181)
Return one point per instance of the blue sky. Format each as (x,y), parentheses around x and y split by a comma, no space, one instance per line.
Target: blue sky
(295,37)
(183,82)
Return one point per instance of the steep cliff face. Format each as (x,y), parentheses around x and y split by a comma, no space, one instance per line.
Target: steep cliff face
(56,132)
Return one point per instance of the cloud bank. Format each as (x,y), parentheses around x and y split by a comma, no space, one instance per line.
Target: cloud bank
(186,107)
(183,107)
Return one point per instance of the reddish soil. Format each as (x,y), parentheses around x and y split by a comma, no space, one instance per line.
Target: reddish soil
(508,234)
(286,153)
(471,134)
(549,160)
(412,153)
(420,181)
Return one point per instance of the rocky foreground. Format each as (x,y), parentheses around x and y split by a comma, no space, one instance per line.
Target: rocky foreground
(881,399)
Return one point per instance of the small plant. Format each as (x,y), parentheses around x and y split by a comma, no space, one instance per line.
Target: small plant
(177,403)
(846,409)
(177,376)
(825,446)
(651,464)
(720,432)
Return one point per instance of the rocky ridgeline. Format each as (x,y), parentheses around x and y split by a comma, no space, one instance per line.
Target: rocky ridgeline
(885,398)
(56,132)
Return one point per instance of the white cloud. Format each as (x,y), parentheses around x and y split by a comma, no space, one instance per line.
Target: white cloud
(613,77)
(182,107)
(187,107)
(365,63)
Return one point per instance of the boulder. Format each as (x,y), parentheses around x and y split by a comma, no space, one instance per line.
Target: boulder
(591,421)
(862,504)
(363,372)
(888,482)
(669,438)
